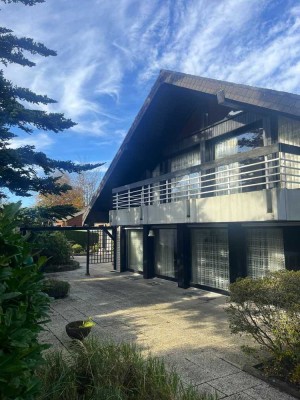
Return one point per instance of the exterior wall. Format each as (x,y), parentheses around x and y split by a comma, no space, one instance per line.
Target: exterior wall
(211,256)
(234,235)
(274,204)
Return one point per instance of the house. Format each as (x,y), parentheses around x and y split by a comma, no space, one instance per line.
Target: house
(205,187)
(75,220)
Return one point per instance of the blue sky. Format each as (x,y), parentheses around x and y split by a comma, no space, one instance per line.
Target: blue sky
(110,53)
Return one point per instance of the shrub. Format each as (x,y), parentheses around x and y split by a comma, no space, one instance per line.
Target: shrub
(95,370)
(54,246)
(23,306)
(268,309)
(55,288)
(77,248)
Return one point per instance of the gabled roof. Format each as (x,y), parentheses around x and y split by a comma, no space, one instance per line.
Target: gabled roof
(170,98)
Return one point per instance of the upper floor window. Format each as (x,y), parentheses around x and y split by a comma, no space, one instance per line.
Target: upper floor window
(185,160)
(289,131)
(241,143)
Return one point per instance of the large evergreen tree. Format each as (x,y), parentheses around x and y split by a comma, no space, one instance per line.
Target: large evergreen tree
(20,167)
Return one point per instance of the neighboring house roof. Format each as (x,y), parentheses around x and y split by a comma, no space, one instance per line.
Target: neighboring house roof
(75,218)
(81,212)
(169,101)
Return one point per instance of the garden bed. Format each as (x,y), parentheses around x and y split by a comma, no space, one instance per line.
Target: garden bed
(258,372)
(60,268)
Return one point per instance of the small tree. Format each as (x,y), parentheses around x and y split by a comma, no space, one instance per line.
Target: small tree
(74,196)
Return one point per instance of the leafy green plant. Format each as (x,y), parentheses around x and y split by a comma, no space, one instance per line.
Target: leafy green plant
(88,323)
(77,248)
(98,370)
(54,246)
(55,288)
(23,307)
(268,309)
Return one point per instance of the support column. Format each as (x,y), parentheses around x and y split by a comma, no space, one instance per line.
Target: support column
(291,242)
(88,252)
(183,256)
(237,251)
(114,233)
(123,253)
(148,253)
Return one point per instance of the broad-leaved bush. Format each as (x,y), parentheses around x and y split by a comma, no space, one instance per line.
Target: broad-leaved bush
(55,246)
(23,309)
(268,309)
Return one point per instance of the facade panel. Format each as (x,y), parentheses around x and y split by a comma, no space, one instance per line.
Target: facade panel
(210,258)
(265,251)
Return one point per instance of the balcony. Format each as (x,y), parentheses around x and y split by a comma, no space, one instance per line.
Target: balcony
(244,177)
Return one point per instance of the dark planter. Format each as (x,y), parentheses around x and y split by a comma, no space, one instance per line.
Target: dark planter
(74,330)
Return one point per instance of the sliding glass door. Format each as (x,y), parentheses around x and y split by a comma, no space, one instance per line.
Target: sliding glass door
(135,250)
(165,244)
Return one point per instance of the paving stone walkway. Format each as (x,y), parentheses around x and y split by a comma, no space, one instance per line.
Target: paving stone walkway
(187,327)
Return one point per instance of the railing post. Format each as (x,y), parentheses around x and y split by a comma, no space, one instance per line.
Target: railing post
(167,191)
(117,200)
(88,252)
(282,166)
(128,193)
(142,196)
(199,184)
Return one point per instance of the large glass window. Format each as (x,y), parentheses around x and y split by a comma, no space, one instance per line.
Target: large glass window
(135,249)
(165,244)
(265,252)
(239,176)
(210,258)
(185,160)
(289,133)
(186,186)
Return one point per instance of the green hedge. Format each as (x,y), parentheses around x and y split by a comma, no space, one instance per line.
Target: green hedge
(80,237)
(23,307)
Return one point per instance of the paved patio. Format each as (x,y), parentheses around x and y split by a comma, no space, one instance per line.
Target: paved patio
(188,328)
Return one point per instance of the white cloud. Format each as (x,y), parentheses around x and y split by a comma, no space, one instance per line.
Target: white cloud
(110,52)
(40,141)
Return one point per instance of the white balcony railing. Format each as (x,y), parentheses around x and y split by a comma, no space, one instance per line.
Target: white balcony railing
(264,172)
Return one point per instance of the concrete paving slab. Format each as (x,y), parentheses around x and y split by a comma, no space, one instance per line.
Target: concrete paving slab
(188,328)
(266,392)
(206,388)
(239,396)
(235,383)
